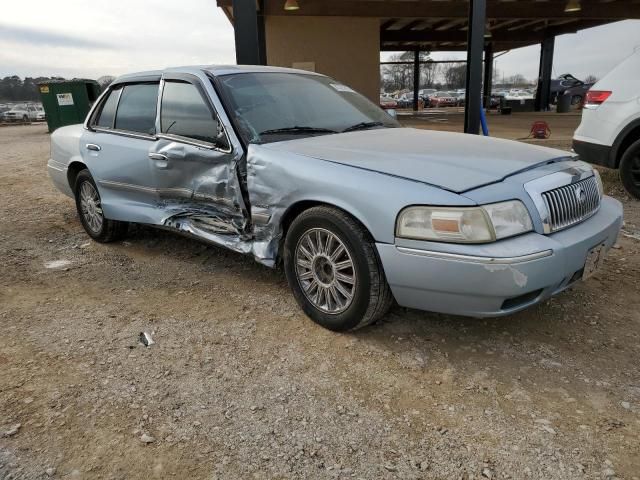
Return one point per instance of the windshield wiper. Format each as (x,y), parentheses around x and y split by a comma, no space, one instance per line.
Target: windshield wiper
(297,130)
(362,126)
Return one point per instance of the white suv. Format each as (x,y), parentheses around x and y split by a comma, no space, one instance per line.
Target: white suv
(609,134)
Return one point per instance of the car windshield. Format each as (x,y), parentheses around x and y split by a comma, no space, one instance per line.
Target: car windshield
(270,106)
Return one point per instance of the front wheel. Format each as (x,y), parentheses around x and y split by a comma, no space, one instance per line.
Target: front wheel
(334,271)
(630,169)
(89,208)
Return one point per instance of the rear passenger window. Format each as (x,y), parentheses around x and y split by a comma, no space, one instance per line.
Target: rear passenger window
(137,108)
(185,113)
(108,110)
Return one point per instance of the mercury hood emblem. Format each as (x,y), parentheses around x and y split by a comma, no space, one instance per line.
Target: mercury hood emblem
(581,195)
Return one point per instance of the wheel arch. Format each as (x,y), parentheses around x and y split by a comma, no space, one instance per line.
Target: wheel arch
(301,206)
(73,170)
(629,135)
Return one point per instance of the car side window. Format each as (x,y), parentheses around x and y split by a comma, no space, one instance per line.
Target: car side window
(137,108)
(108,110)
(184,112)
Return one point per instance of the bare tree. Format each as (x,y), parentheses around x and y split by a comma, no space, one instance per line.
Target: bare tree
(517,80)
(454,74)
(590,79)
(400,76)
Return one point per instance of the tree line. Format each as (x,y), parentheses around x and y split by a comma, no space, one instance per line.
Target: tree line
(452,75)
(15,89)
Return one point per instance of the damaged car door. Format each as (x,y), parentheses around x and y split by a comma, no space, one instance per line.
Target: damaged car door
(194,166)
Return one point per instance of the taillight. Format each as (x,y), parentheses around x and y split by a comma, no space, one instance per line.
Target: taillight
(595,98)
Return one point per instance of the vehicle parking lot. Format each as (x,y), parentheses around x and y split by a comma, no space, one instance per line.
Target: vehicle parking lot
(240,384)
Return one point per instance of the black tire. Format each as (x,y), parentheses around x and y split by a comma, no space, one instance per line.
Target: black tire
(371,295)
(630,169)
(108,230)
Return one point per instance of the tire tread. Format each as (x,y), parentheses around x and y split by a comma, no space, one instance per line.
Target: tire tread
(626,164)
(380,296)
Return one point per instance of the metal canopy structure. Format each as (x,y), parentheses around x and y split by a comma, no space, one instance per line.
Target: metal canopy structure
(509,24)
(444,25)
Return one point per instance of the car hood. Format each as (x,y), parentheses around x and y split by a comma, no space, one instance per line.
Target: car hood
(452,161)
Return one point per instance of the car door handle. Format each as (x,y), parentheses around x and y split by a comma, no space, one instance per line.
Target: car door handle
(93,147)
(158,156)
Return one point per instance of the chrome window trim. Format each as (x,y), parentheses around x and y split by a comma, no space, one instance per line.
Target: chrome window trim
(474,258)
(98,104)
(90,125)
(195,81)
(535,188)
(126,133)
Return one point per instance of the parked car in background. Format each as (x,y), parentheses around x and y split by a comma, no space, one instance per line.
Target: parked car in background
(21,113)
(518,95)
(495,100)
(567,84)
(460,96)
(609,133)
(293,167)
(406,101)
(40,115)
(442,99)
(425,94)
(388,102)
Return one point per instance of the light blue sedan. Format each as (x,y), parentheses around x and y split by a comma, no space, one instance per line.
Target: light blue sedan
(296,168)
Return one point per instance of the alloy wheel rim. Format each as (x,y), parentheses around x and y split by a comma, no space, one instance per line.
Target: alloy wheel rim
(325,271)
(91,207)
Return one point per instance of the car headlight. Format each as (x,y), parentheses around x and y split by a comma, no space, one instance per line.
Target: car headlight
(464,224)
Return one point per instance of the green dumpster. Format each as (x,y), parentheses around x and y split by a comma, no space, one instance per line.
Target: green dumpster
(67,102)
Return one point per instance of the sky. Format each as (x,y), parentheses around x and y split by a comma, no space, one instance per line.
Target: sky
(83,38)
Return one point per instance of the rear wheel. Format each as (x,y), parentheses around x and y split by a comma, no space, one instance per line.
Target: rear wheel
(333,270)
(92,217)
(630,169)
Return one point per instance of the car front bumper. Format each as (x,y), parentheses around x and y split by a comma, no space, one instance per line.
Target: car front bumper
(500,278)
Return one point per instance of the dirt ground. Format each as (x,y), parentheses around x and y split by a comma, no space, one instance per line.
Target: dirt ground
(240,384)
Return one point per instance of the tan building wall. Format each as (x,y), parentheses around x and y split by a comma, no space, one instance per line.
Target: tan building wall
(345,48)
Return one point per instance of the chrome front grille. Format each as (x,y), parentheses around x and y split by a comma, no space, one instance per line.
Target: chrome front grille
(571,204)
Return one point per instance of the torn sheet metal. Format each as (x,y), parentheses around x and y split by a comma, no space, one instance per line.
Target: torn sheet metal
(204,197)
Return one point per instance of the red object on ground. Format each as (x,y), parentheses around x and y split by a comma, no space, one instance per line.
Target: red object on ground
(540,130)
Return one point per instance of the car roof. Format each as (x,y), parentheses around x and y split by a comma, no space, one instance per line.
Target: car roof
(216,70)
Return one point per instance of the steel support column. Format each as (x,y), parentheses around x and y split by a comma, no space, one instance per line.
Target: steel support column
(249,32)
(416,79)
(475,46)
(488,74)
(543,95)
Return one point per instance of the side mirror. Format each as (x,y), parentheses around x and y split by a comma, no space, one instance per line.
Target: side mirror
(392,113)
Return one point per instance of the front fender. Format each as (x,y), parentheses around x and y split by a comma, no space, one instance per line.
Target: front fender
(278,180)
